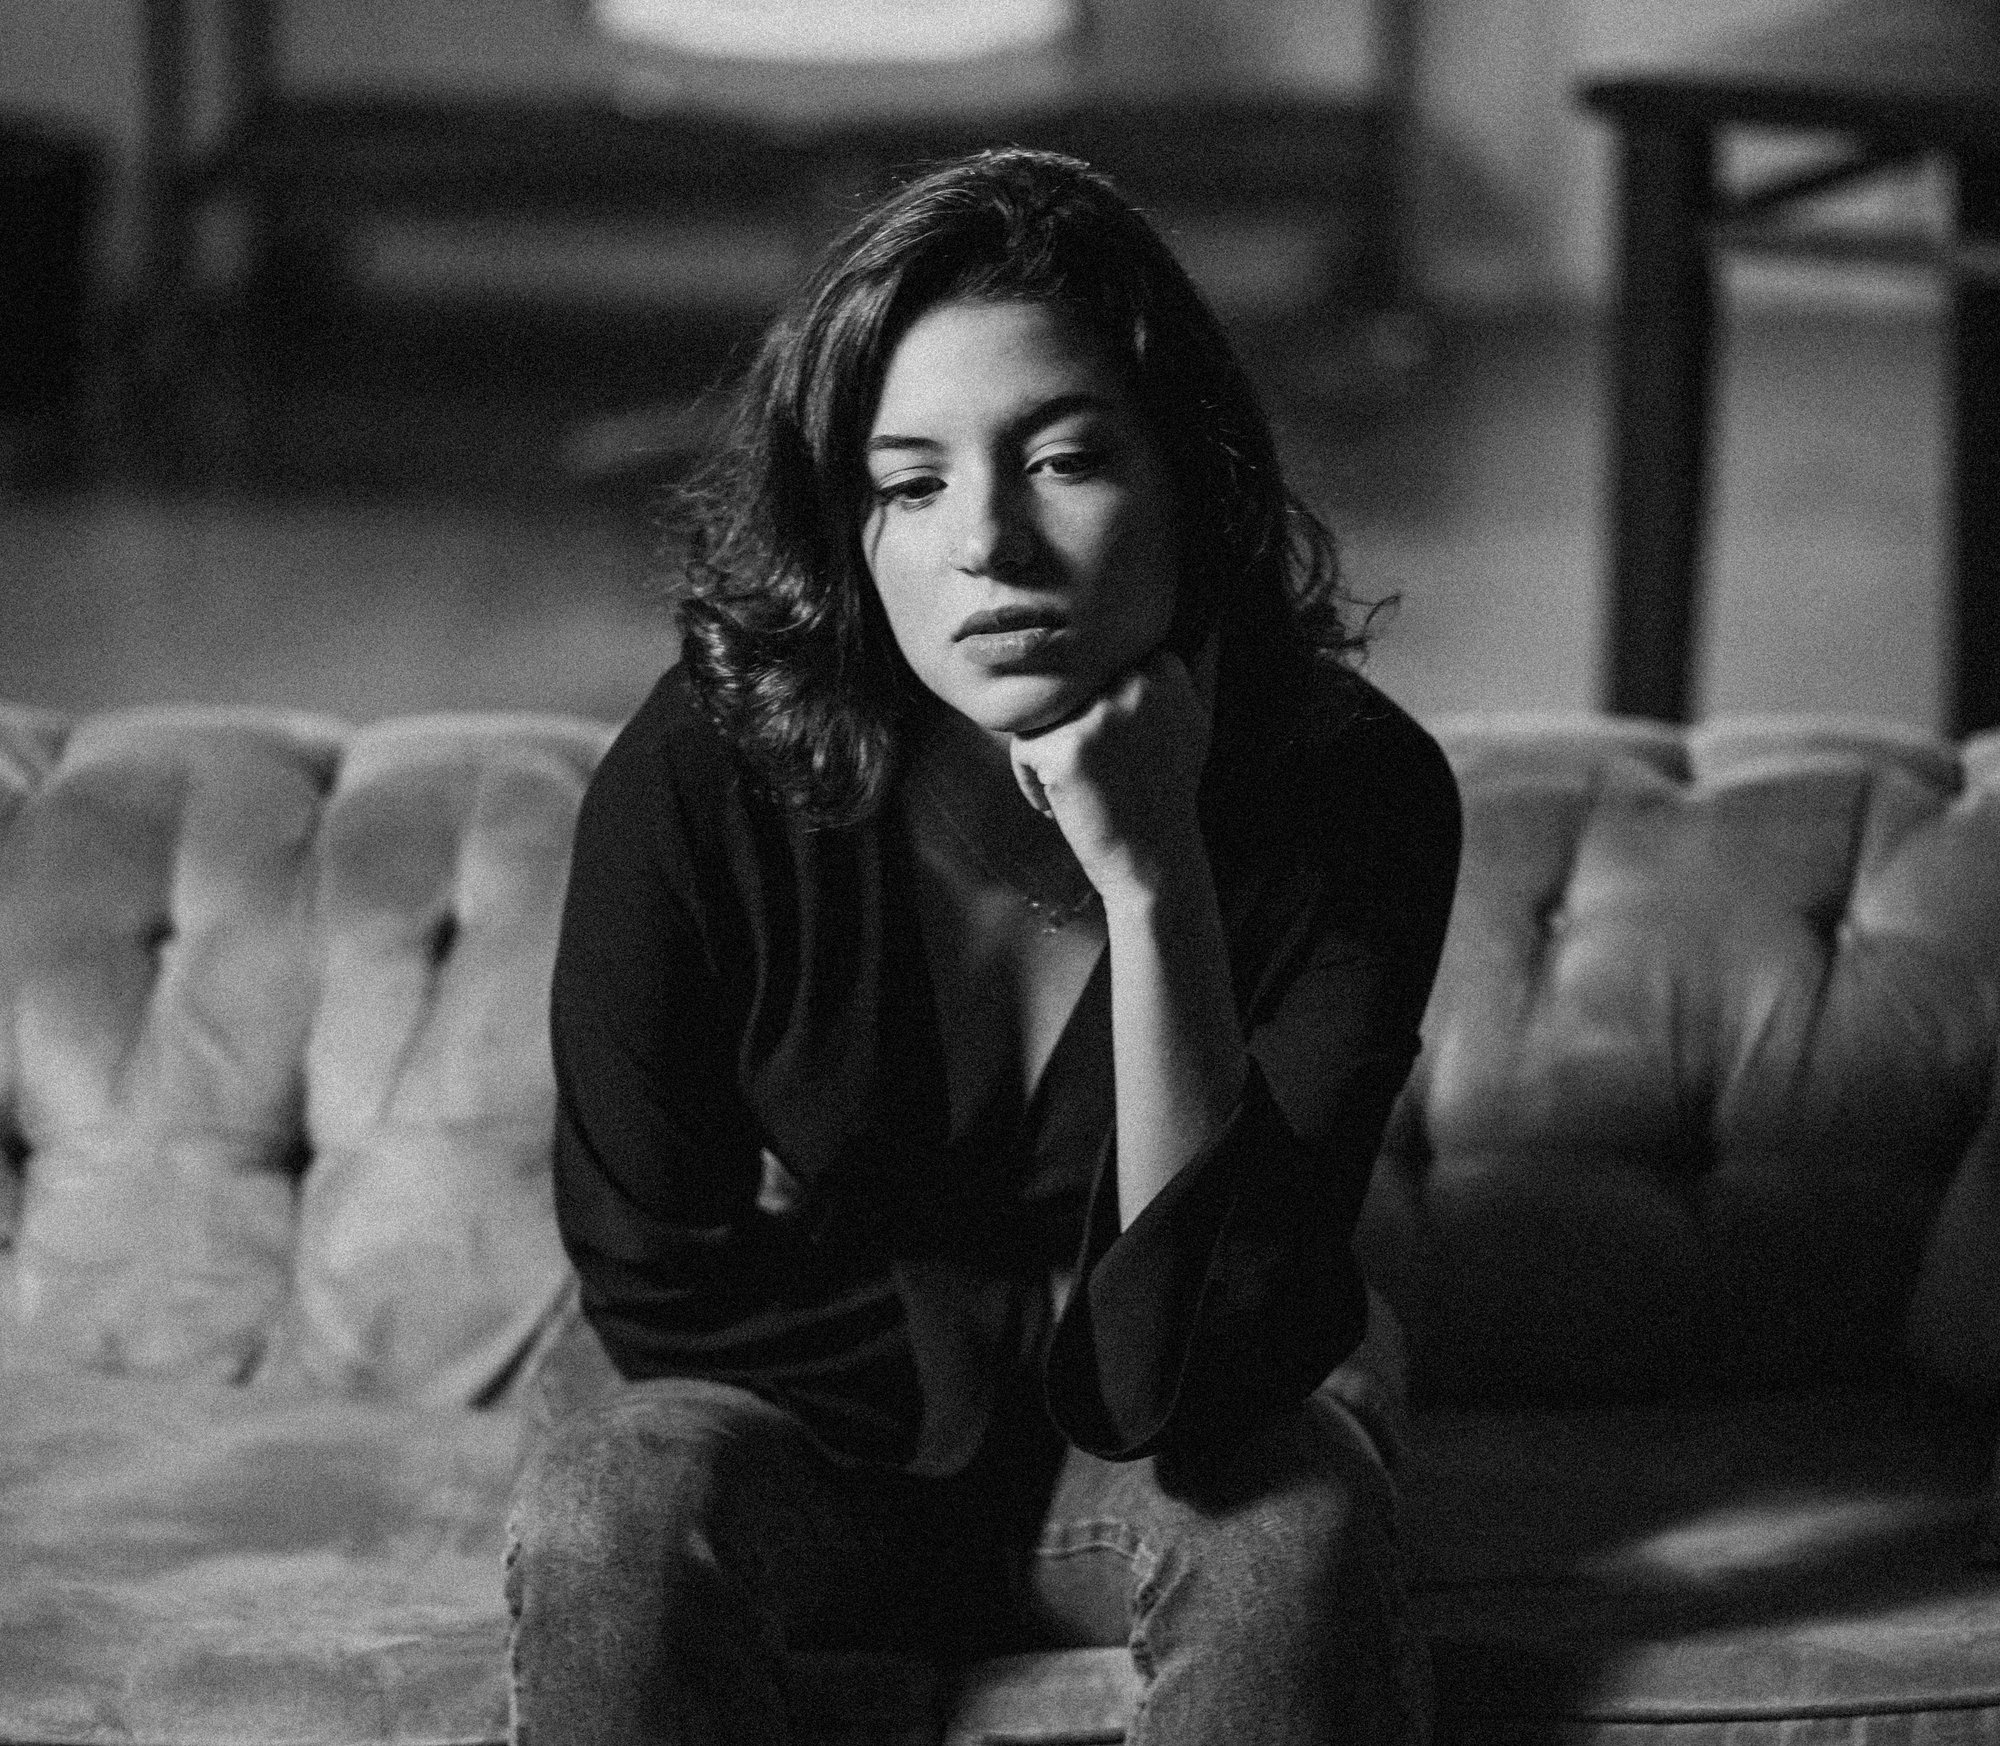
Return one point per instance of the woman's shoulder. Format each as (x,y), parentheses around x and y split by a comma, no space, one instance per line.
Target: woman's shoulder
(671,773)
(1346,716)
(1340,752)
(670,718)
(669,743)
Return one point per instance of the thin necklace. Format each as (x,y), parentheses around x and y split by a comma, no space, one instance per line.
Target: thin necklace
(1051,915)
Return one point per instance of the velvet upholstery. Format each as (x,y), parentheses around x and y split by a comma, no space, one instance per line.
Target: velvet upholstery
(275,1092)
(1690,1213)
(198,1563)
(1711,1046)
(1764,1565)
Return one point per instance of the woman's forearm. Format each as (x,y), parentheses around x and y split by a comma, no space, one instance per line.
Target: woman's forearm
(1177,1051)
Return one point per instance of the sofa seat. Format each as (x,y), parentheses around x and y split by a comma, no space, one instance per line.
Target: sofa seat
(257,1569)
(1802,1569)
(275,1570)
(200,1564)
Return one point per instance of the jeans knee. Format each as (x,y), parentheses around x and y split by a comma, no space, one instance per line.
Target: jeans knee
(1304,1544)
(617,1495)
(1298,1516)
(629,1622)
(565,1510)
(1264,1600)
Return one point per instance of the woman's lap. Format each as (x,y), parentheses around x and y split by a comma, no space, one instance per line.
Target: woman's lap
(698,1513)
(1259,1593)
(825,1554)
(670,1542)
(1108,1518)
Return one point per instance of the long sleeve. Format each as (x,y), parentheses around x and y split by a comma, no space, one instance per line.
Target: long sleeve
(1235,1291)
(658,1155)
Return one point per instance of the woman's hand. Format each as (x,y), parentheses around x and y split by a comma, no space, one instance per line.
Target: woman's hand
(1121,779)
(1121,776)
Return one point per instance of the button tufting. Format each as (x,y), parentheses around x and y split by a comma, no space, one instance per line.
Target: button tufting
(443,936)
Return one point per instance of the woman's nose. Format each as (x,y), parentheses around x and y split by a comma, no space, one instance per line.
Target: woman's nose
(996,537)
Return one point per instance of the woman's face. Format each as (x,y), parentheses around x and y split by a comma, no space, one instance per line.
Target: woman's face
(1021,530)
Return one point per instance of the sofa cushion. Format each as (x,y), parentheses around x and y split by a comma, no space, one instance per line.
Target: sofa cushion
(186,1562)
(1772,1570)
(275,1100)
(427,1252)
(156,979)
(1712,1044)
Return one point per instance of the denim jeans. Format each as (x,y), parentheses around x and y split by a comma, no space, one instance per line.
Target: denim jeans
(672,1540)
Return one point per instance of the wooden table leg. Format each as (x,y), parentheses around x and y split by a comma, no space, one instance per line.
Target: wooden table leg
(1661,365)
(165,218)
(1975,457)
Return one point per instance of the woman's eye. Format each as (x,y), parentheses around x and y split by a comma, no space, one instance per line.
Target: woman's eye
(910,491)
(1072,463)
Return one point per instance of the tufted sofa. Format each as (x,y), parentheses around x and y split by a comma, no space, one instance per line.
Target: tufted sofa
(1691,1214)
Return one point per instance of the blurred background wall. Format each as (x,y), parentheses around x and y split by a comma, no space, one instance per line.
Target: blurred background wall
(389,524)
(1512,179)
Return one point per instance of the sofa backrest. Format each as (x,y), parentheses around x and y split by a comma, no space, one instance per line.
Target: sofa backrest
(274,1094)
(1706,1101)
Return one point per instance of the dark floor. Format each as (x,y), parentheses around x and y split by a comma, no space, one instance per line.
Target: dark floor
(434,511)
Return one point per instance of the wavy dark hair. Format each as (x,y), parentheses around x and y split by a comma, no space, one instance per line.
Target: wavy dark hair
(784,640)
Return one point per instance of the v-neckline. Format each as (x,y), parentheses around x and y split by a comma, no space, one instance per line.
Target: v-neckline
(997,1118)
(955,1128)
(1092,997)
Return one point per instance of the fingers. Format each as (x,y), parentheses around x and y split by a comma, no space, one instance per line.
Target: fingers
(1029,783)
(1048,756)
(1159,690)
(1120,776)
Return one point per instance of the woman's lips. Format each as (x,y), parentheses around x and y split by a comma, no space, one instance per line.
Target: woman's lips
(1012,636)
(1028,645)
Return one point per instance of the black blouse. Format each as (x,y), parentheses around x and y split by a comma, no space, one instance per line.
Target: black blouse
(733,987)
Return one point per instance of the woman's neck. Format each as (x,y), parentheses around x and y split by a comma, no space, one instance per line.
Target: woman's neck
(960,793)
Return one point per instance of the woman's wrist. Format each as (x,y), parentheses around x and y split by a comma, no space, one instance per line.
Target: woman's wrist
(1158,888)
(1177,1052)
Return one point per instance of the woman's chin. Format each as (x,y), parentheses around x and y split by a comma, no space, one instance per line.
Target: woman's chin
(1021,705)
(1025,724)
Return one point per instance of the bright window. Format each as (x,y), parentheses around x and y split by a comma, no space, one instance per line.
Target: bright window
(835,31)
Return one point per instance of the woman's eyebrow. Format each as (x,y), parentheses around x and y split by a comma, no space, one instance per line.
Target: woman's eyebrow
(1059,406)
(1032,418)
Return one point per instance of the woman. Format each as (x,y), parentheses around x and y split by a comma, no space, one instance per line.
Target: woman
(989,961)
